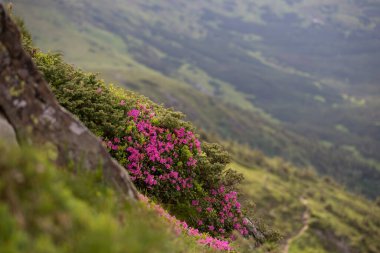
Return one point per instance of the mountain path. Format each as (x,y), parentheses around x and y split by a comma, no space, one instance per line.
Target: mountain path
(305,221)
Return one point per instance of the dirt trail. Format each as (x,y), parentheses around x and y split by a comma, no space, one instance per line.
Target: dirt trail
(305,221)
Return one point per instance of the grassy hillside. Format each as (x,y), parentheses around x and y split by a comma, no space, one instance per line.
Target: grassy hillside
(308,95)
(314,215)
(331,220)
(43,209)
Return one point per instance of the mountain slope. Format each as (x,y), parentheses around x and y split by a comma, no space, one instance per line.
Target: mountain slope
(317,116)
(305,209)
(314,215)
(337,126)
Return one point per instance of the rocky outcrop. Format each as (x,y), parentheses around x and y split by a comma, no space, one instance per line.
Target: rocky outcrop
(36,117)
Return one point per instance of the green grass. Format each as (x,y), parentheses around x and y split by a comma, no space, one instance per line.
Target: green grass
(259,56)
(308,244)
(87,46)
(341,128)
(338,220)
(43,209)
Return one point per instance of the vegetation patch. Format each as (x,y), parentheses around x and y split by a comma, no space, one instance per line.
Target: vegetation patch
(160,150)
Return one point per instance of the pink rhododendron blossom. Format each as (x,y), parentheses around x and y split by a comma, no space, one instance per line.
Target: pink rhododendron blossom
(228,209)
(168,160)
(182,227)
(150,180)
(134,113)
(155,151)
(195,202)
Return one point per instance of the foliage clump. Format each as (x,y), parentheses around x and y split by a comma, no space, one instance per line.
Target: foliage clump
(163,162)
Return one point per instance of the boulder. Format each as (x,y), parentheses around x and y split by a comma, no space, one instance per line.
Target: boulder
(37,118)
(254,230)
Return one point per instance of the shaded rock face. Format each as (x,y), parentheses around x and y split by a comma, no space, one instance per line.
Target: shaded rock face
(36,117)
(254,231)
(7,133)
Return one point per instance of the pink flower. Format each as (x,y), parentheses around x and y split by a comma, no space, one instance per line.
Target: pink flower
(153,157)
(99,90)
(181,227)
(193,232)
(174,174)
(184,225)
(150,180)
(195,202)
(134,113)
(141,126)
(191,162)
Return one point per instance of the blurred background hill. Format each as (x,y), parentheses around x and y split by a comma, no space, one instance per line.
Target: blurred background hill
(296,79)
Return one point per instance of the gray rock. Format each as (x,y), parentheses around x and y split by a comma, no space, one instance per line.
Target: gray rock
(7,133)
(37,118)
(253,230)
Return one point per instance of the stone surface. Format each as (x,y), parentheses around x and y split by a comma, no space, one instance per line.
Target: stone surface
(253,230)
(37,118)
(7,133)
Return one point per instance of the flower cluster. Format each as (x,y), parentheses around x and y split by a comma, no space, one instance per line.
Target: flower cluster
(166,164)
(158,159)
(223,205)
(182,227)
